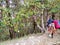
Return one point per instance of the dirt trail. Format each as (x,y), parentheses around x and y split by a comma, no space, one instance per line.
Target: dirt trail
(36,40)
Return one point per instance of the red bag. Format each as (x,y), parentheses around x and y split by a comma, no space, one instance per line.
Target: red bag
(57,25)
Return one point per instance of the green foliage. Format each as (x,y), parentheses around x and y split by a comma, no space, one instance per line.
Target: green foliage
(24,12)
(54,5)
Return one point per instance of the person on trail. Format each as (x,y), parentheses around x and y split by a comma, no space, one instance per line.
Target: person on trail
(51,27)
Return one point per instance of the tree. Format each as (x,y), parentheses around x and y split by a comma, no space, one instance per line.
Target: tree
(28,14)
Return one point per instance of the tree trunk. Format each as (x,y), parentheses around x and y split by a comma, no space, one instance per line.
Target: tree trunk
(12,32)
(34,22)
(42,22)
(0,14)
(11,29)
(42,19)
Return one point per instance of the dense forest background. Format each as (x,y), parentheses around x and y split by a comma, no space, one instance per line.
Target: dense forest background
(23,17)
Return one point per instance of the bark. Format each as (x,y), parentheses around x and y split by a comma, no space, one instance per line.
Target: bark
(53,16)
(39,27)
(12,32)
(7,3)
(42,22)
(34,22)
(42,30)
(0,15)
(11,29)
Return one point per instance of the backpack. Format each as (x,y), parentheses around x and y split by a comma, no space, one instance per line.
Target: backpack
(49,21)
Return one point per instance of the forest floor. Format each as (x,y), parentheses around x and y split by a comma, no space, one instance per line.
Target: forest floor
(35,39)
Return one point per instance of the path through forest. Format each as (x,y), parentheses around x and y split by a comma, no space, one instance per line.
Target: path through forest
(36,39)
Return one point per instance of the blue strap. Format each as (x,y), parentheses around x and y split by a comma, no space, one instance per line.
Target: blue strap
(49,21)
(59,22)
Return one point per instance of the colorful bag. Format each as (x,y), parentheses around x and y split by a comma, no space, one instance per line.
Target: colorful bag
(57,24)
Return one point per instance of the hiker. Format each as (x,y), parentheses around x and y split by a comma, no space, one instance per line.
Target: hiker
(51,27)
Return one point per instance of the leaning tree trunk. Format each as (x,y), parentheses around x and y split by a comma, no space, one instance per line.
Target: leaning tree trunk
(35,24)
(11,29)
(42,22)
